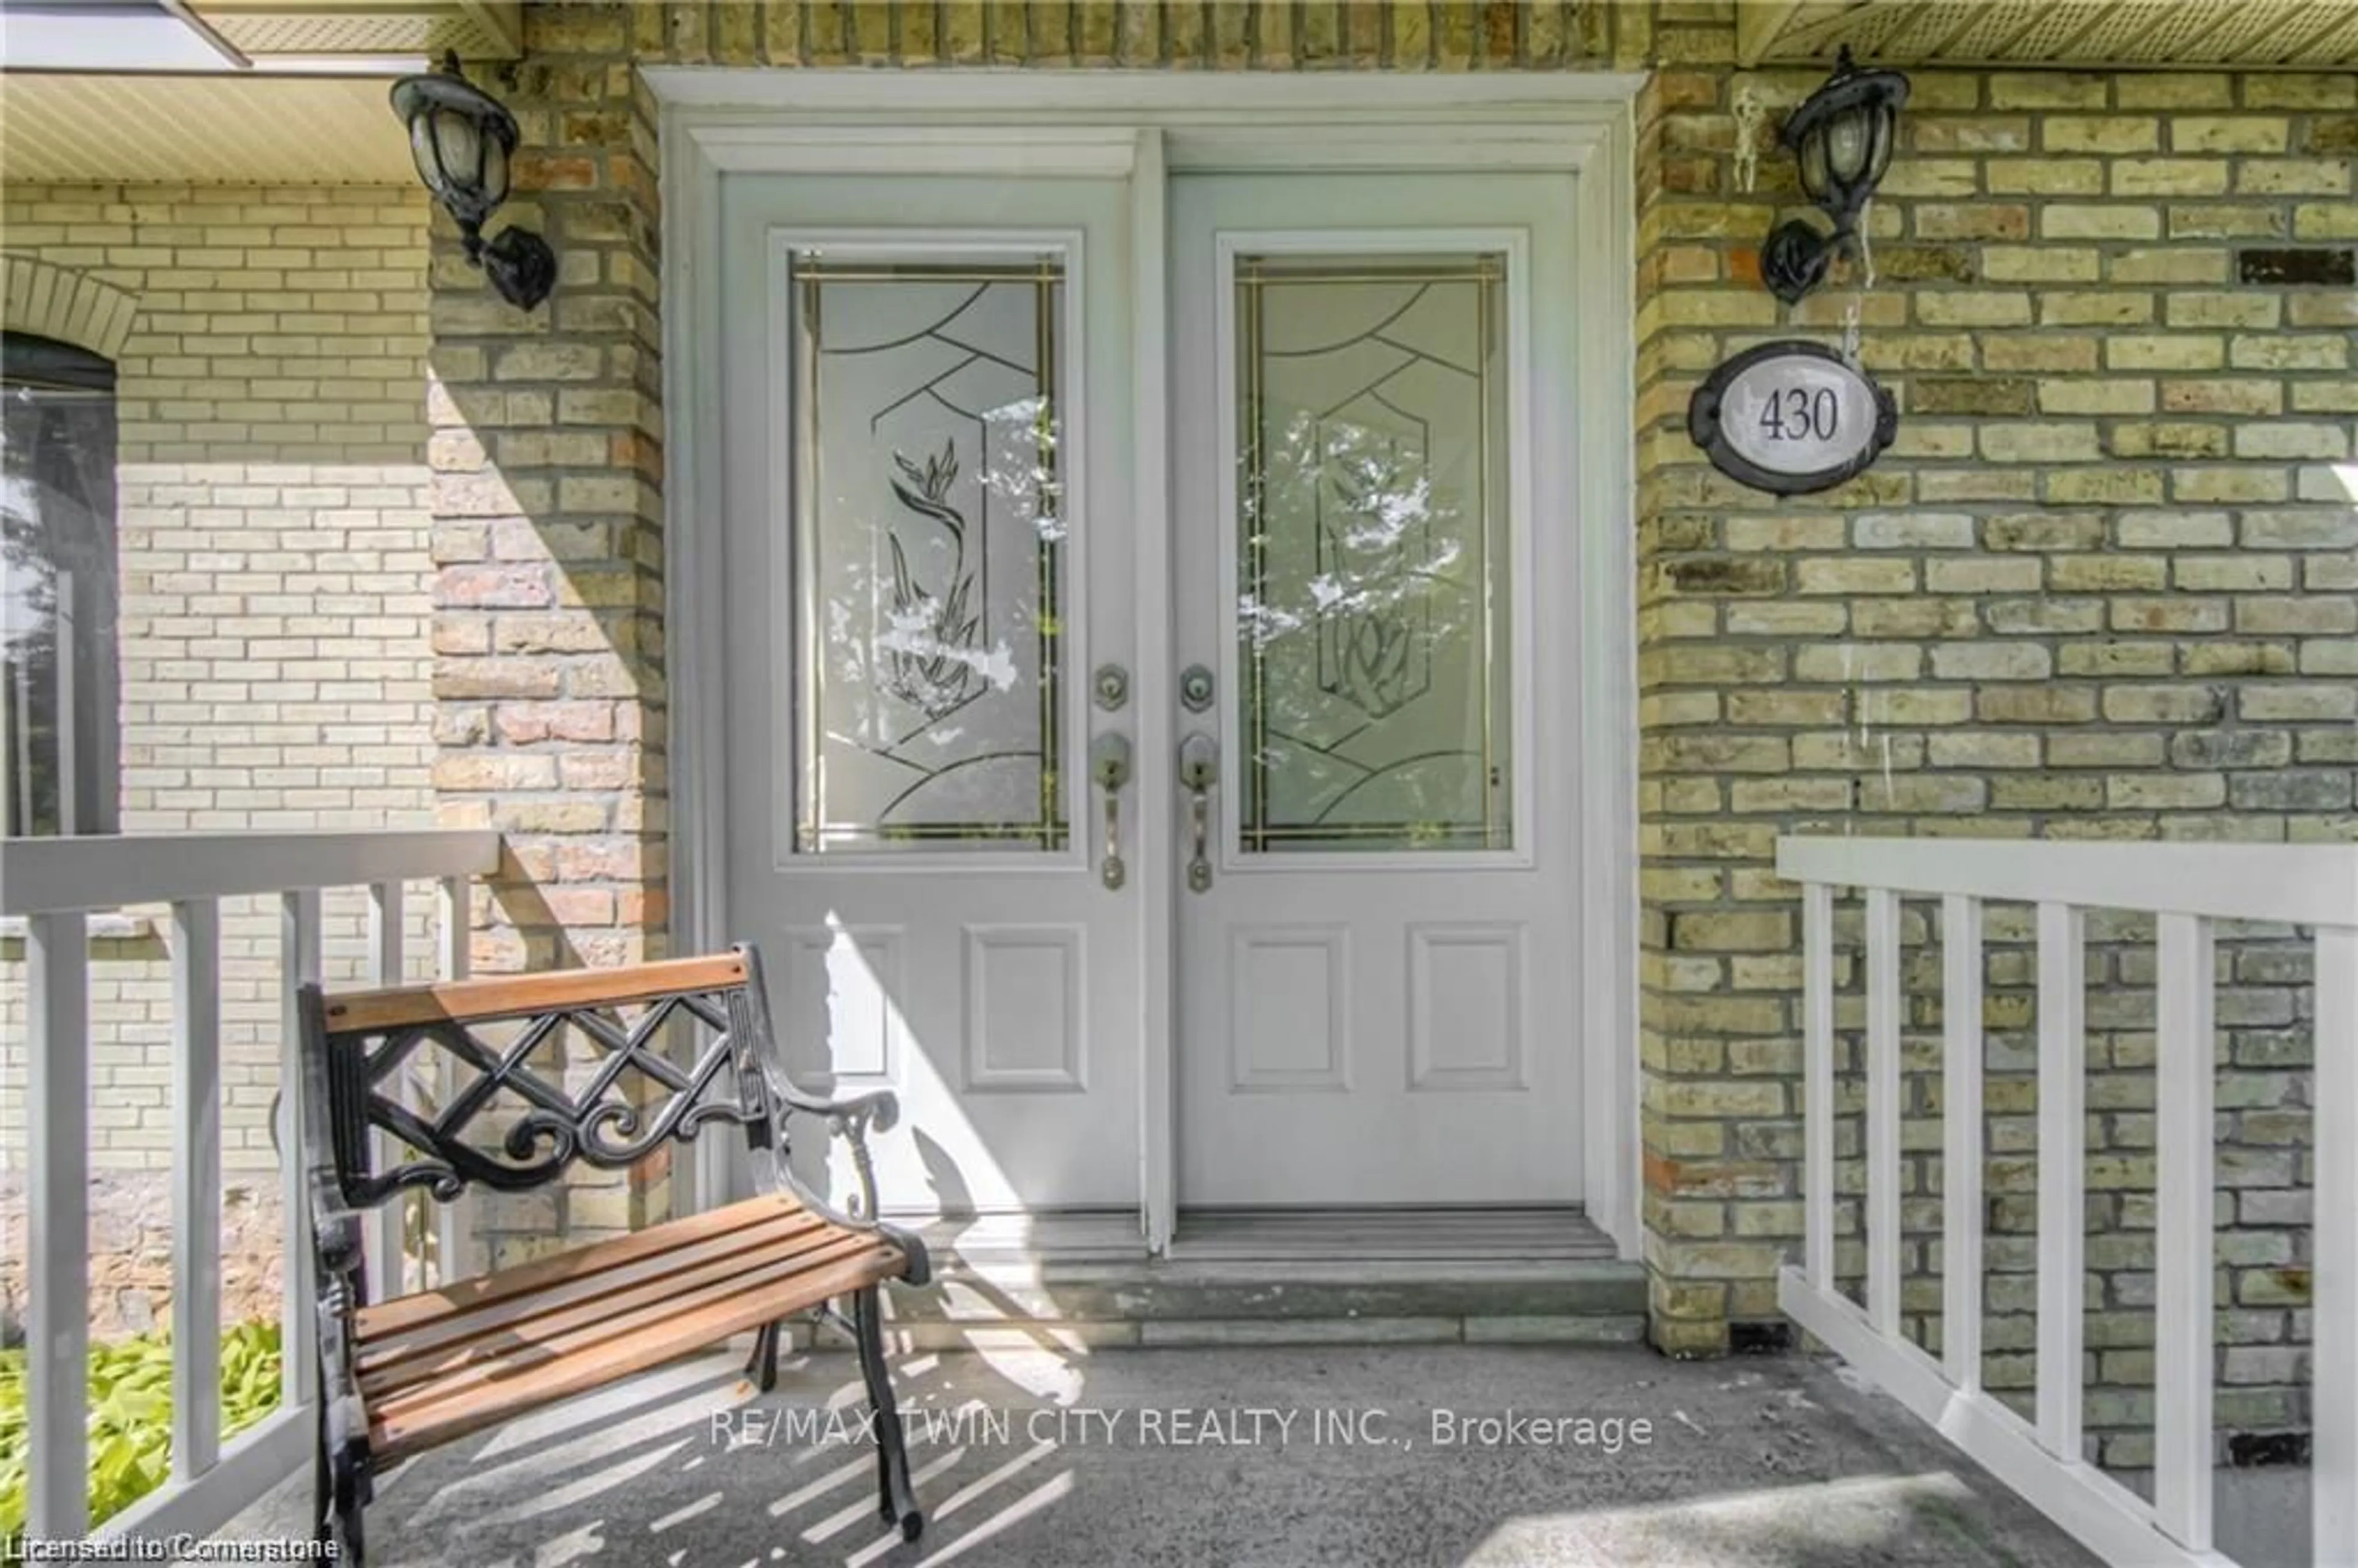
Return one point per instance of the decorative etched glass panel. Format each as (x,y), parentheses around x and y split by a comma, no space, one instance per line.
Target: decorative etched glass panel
(928,535)
(1373,578)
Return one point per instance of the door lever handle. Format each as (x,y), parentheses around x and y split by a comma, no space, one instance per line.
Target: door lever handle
(1199,770)
(1109,765)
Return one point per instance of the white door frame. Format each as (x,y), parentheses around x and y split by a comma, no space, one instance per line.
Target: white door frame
(1144,126)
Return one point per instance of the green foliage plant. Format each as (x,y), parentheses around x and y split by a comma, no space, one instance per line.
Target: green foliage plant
(130,1416)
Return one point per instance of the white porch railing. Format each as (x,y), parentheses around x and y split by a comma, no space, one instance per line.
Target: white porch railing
(55,884)
(2187,887)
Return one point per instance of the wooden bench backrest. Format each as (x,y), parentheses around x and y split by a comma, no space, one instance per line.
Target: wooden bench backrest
(360,1046)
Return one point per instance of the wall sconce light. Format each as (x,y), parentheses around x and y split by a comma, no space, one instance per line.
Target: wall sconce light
(462,139)
(1841,136)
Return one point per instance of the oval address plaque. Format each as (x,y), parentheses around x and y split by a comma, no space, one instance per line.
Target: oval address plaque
(1790,417)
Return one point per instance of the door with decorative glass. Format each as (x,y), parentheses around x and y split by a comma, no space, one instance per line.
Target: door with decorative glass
(926,438)
(1377,948)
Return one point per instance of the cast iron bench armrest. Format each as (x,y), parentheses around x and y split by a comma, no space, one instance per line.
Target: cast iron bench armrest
(877,1108)
(849,1117)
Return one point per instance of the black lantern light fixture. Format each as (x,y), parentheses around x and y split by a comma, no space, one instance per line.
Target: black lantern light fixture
(463,139)
(1841,136)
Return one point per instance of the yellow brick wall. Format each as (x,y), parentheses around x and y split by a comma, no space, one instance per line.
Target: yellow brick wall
(2104,584)
(274,602)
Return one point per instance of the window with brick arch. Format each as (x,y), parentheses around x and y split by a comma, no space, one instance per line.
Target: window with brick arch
(59,670)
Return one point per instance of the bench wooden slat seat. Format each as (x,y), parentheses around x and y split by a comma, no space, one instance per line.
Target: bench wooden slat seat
(402,1375)
(439,1364)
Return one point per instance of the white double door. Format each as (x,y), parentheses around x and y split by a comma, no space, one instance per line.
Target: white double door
(1284,624)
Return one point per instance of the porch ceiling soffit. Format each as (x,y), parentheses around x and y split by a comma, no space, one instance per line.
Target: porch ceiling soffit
(328,30)
(2250,35)
(298,96)
(199,130)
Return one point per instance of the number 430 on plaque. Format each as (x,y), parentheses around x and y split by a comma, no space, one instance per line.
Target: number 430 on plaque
(1791,418)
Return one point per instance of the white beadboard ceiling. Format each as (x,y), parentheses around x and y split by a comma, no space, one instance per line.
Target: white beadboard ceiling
(307,108)
(478,29)
(201,130)
(2257,35)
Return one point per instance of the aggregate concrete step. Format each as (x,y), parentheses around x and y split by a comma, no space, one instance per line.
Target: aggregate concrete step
(1362,1280)
(1178,1303)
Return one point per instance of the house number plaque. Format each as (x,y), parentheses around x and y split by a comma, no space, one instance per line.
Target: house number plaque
(1791,418)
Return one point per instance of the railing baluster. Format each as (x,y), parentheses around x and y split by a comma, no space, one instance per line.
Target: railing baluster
(196,1187)
(298,950)
(1960,1139)
(2063,1207)
(387,1231)
(2333,1379)
(2183,1220)
(1883,1110)
(452,1221)
(1818,1080)
(57,1323)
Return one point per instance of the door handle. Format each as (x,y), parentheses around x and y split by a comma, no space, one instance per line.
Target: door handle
(1199,770)
(1109,765)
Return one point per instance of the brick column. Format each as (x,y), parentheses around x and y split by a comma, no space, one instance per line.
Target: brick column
(547,456)
(1718,1053)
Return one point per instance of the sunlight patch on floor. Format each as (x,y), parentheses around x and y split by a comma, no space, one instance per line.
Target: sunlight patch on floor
(837,1523)
(810,1492)
(685,1394)
(578,1496)
(1770,1528)
(677,1517)
(948,1507)
(1041,1372)
(1049,1492)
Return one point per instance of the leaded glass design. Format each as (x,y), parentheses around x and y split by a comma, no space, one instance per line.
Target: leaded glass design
(1372,563)
(928,549)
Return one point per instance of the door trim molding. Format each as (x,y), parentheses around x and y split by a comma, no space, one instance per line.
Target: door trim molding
(1606,483)
(695,650)
(1154,671)
(1144,126)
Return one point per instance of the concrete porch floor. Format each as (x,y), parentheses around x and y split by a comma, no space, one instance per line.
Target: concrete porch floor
(1769,1461)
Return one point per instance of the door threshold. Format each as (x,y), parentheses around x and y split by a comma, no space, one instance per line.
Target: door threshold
(1495,1233)
(1504,1233)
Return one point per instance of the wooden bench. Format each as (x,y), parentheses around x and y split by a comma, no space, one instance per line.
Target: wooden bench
(404,1375)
